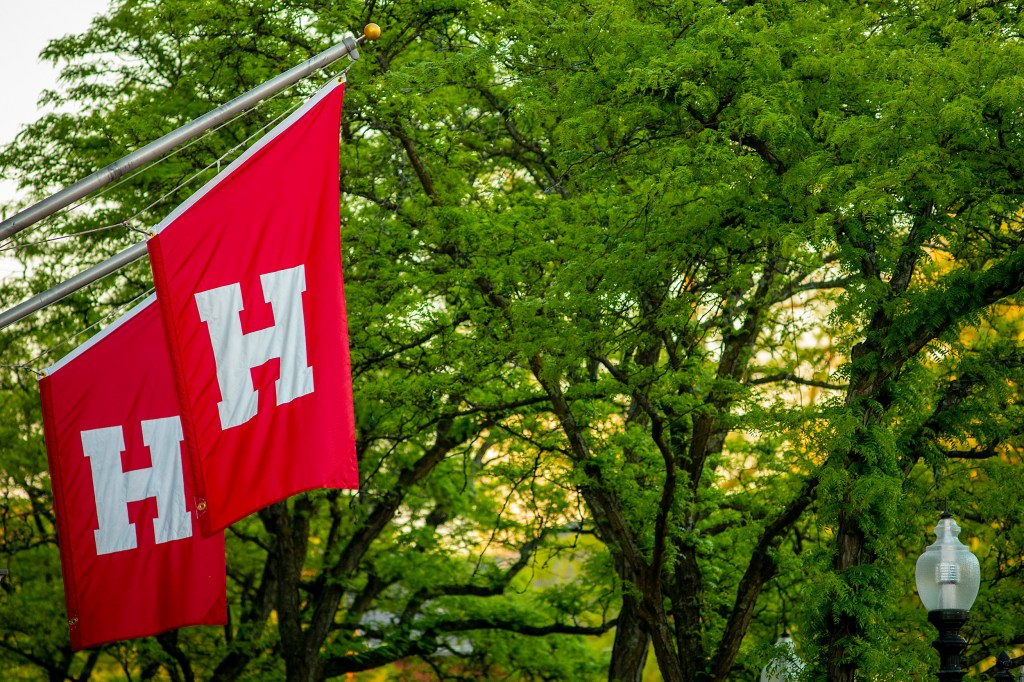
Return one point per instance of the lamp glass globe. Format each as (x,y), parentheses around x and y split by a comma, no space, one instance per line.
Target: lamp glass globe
(948,574)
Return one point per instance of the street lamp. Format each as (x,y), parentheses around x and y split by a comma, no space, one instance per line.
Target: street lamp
(786,665)
(948,577)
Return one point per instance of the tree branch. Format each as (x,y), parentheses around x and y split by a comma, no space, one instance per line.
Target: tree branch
(403,647)
(792,378)
(760,569)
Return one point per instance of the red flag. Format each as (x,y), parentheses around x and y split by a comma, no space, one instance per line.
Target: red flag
(248,276)
(133,559)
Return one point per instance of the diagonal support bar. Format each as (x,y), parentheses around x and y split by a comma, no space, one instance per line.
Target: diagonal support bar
(79,281)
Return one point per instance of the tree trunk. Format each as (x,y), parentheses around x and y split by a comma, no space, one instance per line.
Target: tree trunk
(632,642)
(687,600)
(290,533)
(672,669)
(843,628)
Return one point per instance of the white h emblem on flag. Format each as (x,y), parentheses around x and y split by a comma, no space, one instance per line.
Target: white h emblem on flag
(236,353)
(114,488)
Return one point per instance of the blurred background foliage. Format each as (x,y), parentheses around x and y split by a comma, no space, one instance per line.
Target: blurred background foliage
(673,324)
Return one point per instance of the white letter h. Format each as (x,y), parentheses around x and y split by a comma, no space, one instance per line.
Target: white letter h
(114,488)
(236,353)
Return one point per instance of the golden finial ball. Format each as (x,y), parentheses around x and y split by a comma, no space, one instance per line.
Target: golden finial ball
(371,31)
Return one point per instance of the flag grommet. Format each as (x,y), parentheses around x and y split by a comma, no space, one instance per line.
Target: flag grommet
(201,505)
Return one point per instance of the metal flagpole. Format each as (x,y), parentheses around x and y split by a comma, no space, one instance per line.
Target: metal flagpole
(158,147)
(152,150)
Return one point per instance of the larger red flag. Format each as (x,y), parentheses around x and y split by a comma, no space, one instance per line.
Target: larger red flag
(133,562)
(248,276)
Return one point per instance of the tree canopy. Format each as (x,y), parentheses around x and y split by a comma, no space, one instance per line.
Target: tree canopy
(673,325)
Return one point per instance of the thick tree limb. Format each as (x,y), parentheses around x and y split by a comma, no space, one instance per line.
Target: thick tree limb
(400,646)
(792,378)
(760,569)
(352,554)
(417,164)
(794,289)
(254,620)
(168,641)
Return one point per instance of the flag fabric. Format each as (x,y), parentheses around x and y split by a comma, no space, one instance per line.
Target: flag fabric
(134,561)
(248,276)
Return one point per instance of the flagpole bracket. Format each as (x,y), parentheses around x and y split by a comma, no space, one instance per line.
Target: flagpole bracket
(352,44)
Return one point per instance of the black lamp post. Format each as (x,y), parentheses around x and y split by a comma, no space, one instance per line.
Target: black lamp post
(948,577)
(1003,673)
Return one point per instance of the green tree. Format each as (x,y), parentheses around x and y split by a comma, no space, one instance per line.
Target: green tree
(714,299)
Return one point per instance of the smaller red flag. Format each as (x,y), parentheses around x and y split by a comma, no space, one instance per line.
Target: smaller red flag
(133,559)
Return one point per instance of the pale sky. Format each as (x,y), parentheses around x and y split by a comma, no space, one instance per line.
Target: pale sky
(26,26)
